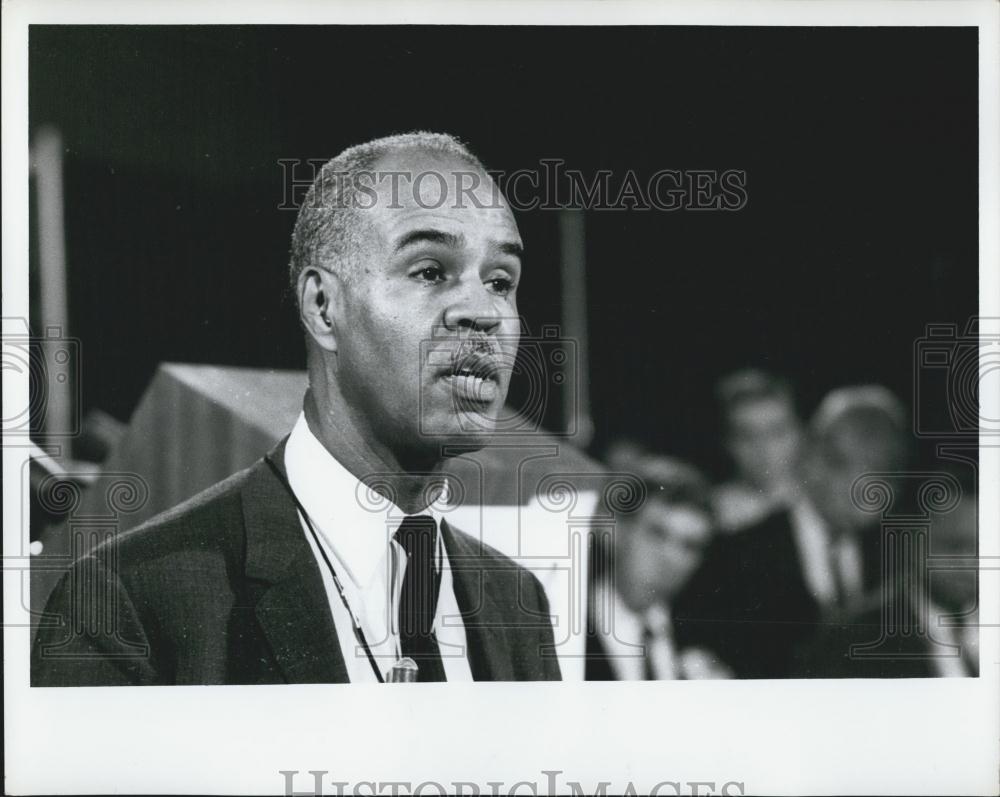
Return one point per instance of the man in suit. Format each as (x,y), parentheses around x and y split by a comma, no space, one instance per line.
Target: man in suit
(912,627)
(762,436)
(763,594)
(330,560)
(637,573)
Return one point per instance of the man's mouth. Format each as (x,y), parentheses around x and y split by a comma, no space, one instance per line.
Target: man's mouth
(474,378)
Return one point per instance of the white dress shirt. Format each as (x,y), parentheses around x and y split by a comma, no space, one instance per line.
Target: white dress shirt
(623,638)
(356,527)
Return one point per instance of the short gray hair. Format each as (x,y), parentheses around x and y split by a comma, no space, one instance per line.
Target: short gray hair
(326,229)
(872,411)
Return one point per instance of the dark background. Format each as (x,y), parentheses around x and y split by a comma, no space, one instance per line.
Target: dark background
(860,148)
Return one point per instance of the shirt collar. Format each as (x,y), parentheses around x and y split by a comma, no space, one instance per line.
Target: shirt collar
(628,625)
(356,522)
(808,521)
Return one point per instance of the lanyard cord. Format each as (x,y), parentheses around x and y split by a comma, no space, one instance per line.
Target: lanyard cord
(358,632)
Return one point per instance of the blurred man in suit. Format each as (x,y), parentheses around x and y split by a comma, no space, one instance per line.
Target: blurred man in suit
(329,559)
(917,624)
(637,573)
(953,610)
(763,593)
(762,436)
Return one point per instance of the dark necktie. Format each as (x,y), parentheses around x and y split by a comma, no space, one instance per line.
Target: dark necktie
(417,534)
(648,673)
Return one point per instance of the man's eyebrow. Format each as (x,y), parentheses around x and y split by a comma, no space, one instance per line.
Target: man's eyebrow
(512,248)
(428,236)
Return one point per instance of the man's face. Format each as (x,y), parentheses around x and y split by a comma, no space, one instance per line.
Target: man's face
(660,550)
(835,461)
(438,270)
(764,440)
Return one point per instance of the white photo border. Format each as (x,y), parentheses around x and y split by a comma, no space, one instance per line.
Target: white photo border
(930,736)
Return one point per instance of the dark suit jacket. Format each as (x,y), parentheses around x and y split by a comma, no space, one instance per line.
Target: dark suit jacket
(750,603)
(867,644)
(224,589)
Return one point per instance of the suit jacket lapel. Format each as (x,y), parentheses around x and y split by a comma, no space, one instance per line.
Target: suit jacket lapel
(788,564)
(488,653)
(291,602)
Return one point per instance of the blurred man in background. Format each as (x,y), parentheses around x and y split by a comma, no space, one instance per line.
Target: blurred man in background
(934,622)
(638,570)
(762,435)
(762,594)
(953,616)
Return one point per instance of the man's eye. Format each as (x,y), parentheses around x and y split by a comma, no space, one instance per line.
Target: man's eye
(432,274)
(501,285)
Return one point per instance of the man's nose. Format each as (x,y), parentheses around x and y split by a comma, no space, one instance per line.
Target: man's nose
(474,308)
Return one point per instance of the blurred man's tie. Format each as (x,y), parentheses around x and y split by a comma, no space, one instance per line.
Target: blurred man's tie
(660,662)
(647,662)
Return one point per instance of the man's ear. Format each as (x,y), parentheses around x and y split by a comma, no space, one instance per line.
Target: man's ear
(318,291)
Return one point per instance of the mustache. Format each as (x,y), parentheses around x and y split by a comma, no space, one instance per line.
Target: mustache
(480,345)
(478,355)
